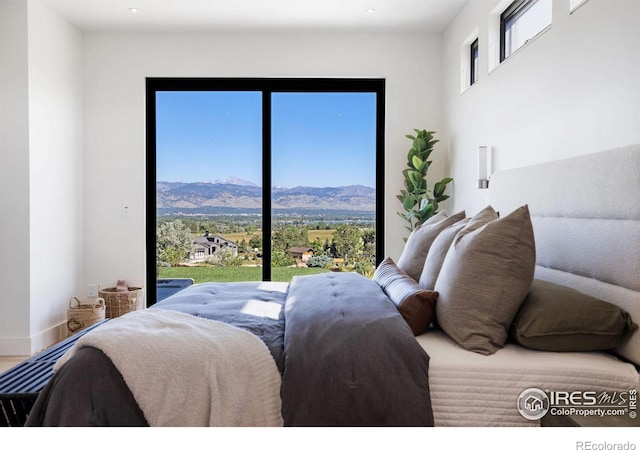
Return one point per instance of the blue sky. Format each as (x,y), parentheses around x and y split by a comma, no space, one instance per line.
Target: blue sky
(318,139)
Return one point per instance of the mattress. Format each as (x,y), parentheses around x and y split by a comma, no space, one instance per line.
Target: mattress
(469,389)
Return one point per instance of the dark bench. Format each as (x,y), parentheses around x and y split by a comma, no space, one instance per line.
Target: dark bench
(20,385)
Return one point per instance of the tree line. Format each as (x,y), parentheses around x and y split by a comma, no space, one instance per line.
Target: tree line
(351,242)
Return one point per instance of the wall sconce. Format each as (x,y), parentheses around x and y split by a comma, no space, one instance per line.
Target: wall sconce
(484,166)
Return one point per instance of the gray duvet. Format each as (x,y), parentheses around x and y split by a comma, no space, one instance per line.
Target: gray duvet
(346,356)
(351,359)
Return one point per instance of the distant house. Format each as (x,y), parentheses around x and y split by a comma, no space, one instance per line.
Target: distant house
(205,246)
(301,253)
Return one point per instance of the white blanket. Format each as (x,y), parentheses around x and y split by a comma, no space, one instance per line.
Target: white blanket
(189,371)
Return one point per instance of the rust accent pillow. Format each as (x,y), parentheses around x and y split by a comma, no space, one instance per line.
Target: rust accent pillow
(416,305)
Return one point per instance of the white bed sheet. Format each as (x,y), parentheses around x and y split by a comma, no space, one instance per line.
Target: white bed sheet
(469,389)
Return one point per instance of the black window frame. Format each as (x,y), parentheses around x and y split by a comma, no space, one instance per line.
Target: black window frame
(473,57)
(513,12)
(267,86)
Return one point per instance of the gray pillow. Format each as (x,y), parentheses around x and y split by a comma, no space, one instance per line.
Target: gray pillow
(561,319)
(420,240)
(437,252)
(484,279)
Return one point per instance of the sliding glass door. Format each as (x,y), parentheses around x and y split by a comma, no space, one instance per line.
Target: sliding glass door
(208,189)
(263,179)
(324,179)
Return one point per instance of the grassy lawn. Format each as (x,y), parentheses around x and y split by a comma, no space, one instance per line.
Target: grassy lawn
(226,274)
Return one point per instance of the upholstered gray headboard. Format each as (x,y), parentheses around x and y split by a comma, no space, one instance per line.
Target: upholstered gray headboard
(586,219)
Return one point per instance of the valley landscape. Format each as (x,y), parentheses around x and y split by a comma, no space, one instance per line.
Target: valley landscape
(301,216)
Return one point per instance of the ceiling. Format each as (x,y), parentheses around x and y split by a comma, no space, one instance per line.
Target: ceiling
(259,15)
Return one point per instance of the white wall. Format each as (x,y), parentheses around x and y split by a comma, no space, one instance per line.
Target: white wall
(14,179)
(55,170)
(115,67)
(571,91)
(40,175)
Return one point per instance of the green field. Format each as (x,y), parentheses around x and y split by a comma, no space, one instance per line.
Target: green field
(228,274)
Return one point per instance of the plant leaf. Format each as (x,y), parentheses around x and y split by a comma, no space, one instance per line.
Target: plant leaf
(429,205)
(438,189)
(412,154)
(407,183)
(415,177)
(409,202)
(417,163)
(420,144)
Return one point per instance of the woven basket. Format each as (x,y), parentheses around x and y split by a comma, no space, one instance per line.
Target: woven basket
(119,303)
(81,316)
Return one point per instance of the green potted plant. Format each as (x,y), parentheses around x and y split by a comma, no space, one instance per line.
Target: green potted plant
(418,201)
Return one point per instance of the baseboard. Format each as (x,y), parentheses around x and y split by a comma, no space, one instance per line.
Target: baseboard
(28,346)
(49,337)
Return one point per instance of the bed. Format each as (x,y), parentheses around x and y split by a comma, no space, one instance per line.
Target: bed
(220,355)
(585,213)
(449,335)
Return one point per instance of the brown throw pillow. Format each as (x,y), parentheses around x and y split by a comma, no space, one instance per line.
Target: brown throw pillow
(420,240)
(561,319)
(417,306)
(484,279)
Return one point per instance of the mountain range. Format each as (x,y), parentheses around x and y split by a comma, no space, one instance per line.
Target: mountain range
(235,193)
